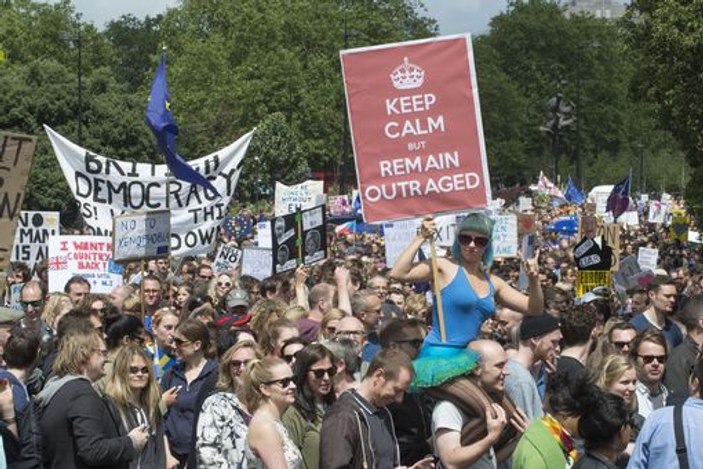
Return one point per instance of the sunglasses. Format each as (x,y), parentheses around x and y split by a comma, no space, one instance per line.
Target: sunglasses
(134,370)
(224,284)
(350,333)
(180,342)
(622,345)
(321,372)
(479,241)
(331,329)
(289,358)
(414,343)
(647,359)
(33,304)
(239,363)
(283,382)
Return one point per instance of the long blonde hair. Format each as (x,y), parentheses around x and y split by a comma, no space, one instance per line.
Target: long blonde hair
(257,373)
(117,387)
(75,349)
(225,382)
(611,369)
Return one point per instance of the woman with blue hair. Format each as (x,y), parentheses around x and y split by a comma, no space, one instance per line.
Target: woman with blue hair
(468,296)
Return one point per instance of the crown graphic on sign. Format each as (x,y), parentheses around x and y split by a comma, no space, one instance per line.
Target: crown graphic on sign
(407,76)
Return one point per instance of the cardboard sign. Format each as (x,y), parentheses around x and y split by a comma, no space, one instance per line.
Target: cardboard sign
(416,128)
(610,232)
(505,236)
(142,235)
(16,152)
(32,236)
(298,238)
(87,256)
(228,258)
(105,188)
(257,262)
(647,258)
(302,196)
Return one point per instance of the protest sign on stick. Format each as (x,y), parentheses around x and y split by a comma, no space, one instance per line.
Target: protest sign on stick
(505,236)
(87,256)
(298,238)
(16,152)
(141,235)
(416,128)
(32,236)
(228,258)
(302,196)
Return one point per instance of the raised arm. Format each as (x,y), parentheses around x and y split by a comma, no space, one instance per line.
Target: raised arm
(531,304)
(404,270)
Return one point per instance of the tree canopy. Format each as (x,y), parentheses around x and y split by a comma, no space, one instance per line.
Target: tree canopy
(274,65)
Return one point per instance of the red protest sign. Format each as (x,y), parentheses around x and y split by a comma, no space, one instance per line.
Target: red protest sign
(416,128)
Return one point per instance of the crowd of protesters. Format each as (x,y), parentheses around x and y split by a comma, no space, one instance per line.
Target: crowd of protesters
(345,363)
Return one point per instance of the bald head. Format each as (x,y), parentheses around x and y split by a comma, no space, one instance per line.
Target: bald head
(493,360)
(486,348)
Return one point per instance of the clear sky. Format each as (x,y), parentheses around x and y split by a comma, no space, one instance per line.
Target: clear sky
(454,16)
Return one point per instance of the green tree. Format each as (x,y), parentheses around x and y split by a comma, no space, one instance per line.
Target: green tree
(274,154)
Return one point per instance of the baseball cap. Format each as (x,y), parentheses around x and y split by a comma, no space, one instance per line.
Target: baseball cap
(237,297)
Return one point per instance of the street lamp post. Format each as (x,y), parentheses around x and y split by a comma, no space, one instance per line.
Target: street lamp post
(559,115)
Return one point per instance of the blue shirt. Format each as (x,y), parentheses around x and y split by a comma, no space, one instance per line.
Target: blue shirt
(671,331)
(656,445)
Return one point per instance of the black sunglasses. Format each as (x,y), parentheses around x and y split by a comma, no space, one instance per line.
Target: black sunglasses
(414,343)
(289,358)
(647,359)
(33,304)
(133,370)
(321,372)
(622,345)
(284,382)
(238,363)
(479,241)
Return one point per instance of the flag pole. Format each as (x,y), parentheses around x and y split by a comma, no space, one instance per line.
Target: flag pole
(437,292)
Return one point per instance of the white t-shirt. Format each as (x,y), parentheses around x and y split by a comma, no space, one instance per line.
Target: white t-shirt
(448,416)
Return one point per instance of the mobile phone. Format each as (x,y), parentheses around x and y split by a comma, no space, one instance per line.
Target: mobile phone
(178,388)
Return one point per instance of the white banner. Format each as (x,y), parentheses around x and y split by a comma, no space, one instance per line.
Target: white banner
(87,256)
(32,236)
(305,195)
(106,188)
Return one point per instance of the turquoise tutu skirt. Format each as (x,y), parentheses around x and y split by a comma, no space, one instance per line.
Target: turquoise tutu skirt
(437,364)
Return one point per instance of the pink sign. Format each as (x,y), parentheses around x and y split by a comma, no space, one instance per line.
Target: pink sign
(416,128)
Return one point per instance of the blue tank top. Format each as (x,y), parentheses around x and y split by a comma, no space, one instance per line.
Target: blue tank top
(464,311)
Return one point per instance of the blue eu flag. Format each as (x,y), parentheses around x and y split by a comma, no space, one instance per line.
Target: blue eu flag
(163,125)
(573,194)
